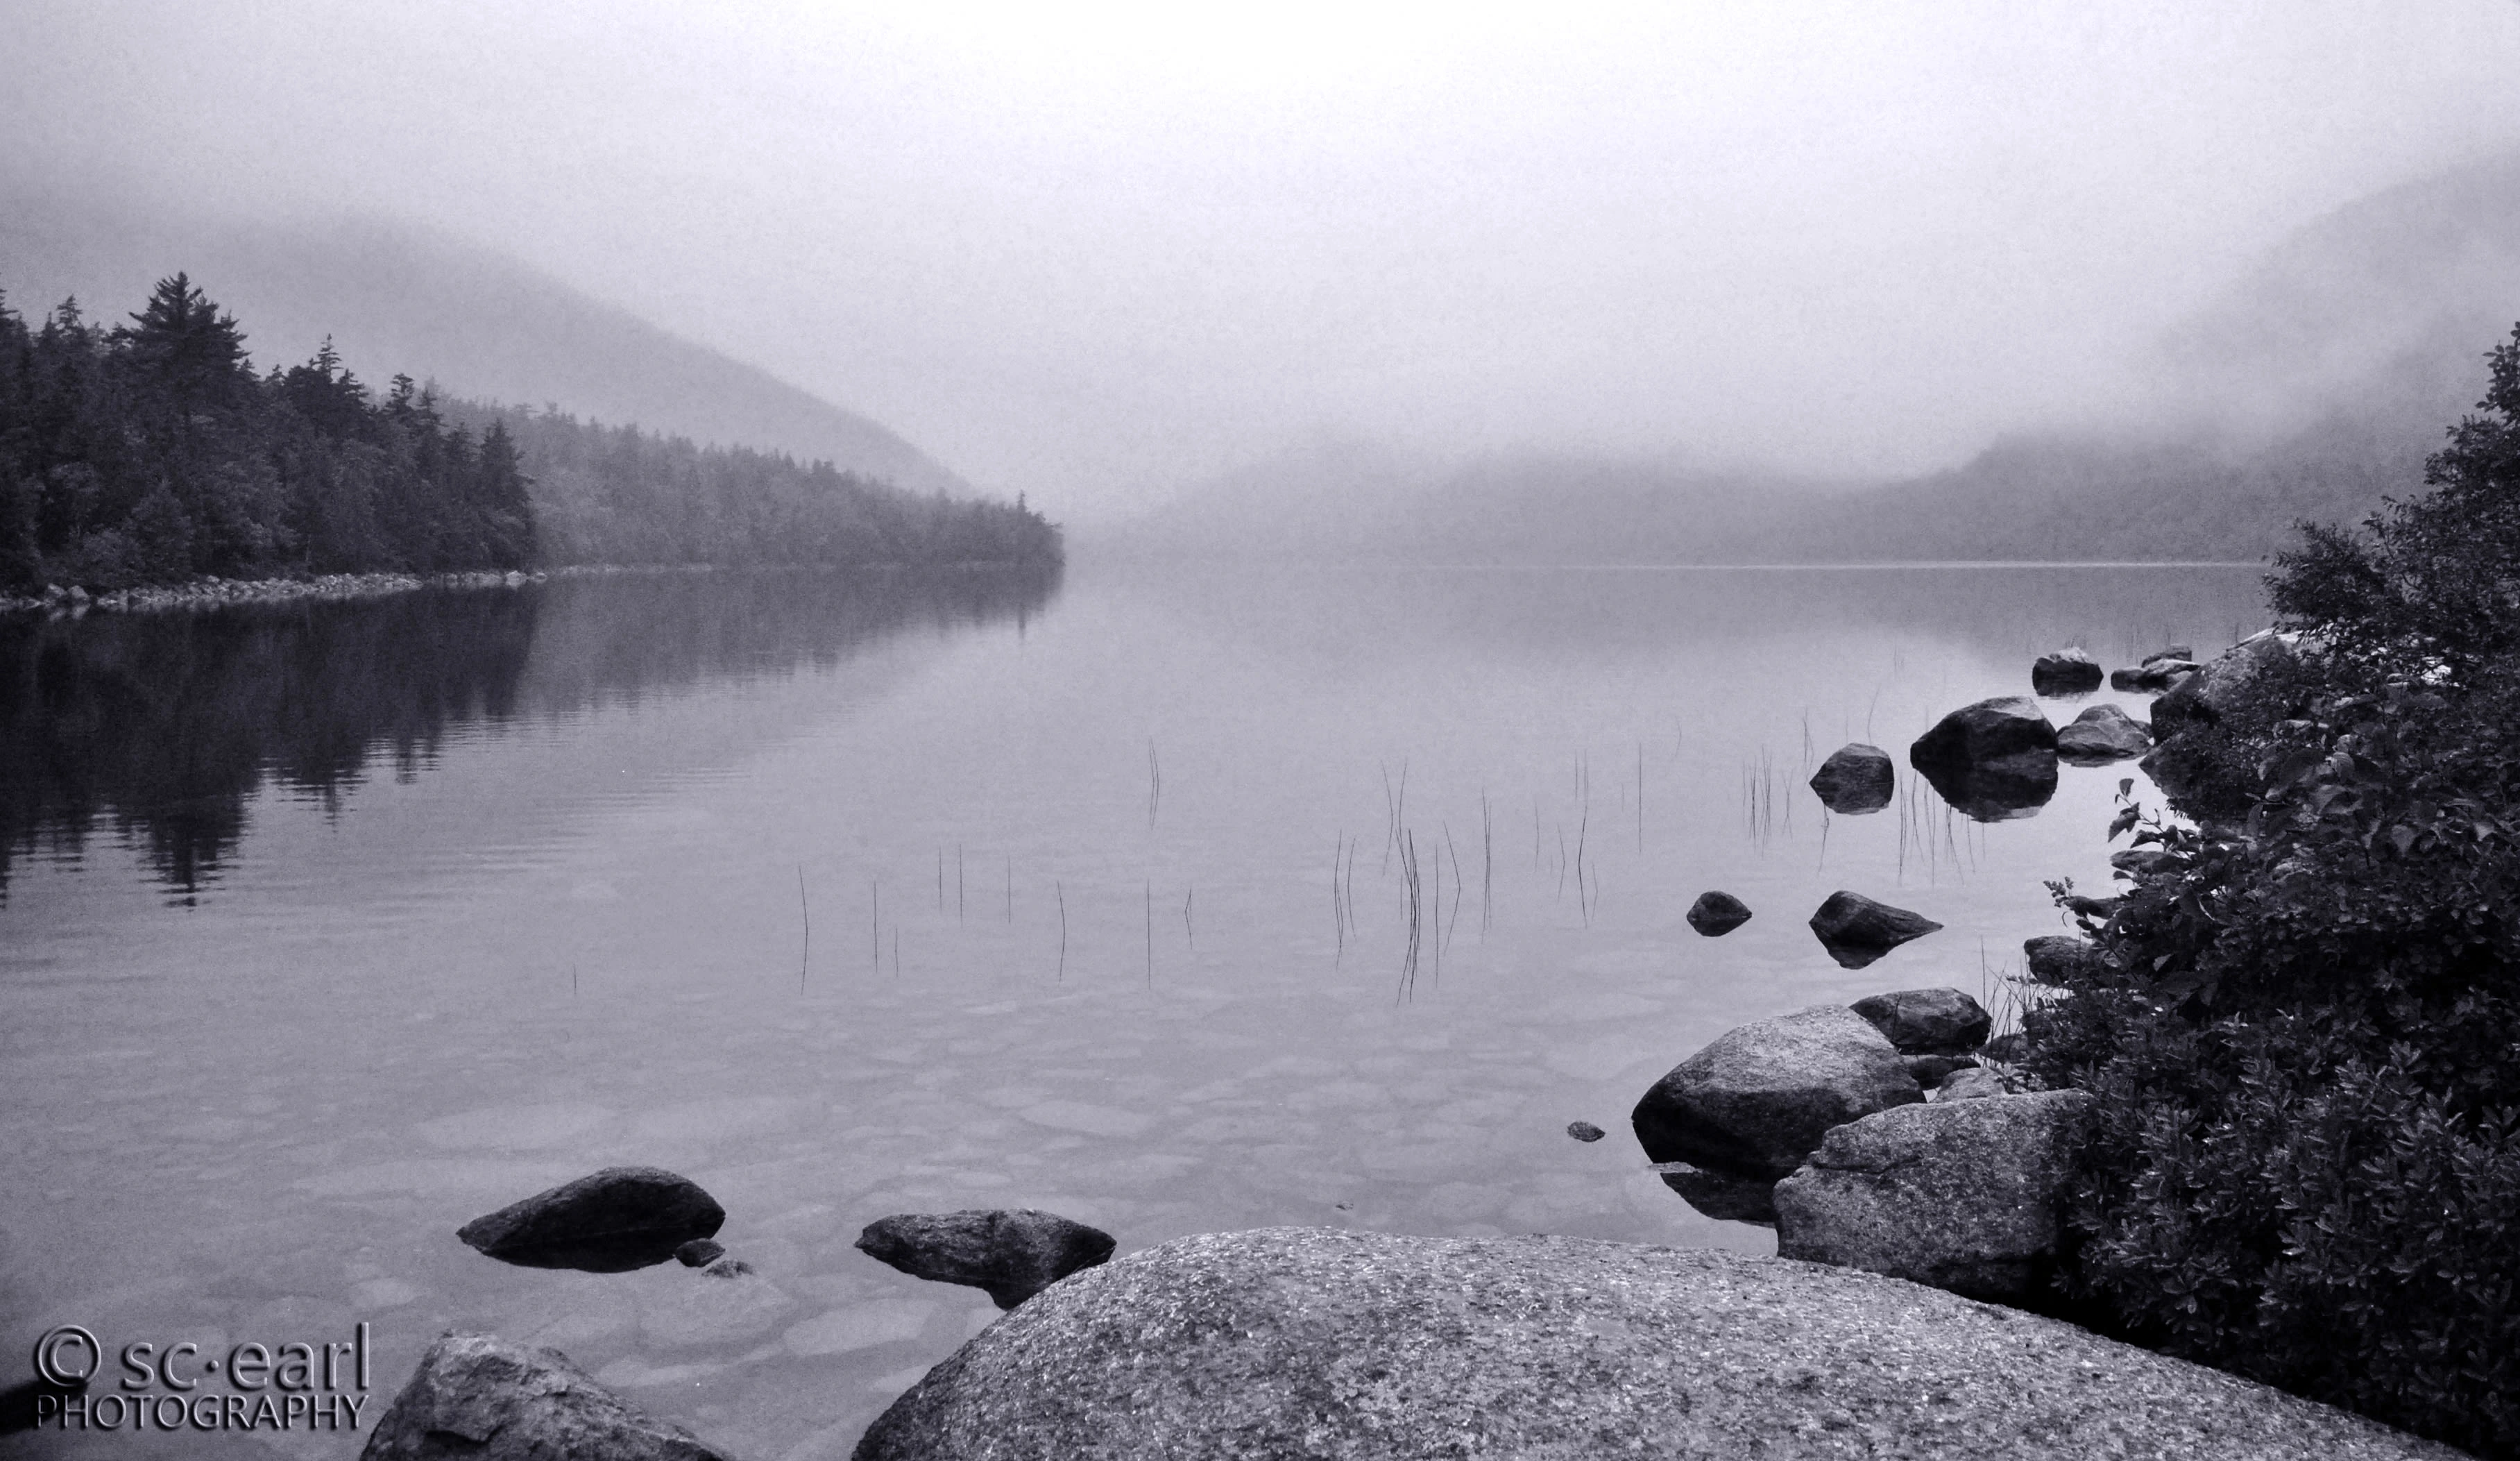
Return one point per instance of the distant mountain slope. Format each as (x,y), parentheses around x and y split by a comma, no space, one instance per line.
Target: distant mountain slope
(397,298)
(2313,386)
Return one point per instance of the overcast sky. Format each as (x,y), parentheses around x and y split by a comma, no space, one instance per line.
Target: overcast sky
(1095,250)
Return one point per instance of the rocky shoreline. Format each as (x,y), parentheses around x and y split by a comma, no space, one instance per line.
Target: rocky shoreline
(217,593)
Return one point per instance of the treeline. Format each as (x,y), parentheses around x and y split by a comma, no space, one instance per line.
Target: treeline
(621,495)
(154,452)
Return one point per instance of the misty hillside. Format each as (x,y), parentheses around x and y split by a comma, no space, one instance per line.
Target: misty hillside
(395,297)
(2315,384)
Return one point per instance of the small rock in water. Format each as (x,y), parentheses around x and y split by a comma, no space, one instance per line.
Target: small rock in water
(2102,733)
(1012,1254)
(1584,1131)
(2069,671)
(1856,779)
(619,1218)
(728,1268)
(1856,930)
(1716,914)
(699,1252)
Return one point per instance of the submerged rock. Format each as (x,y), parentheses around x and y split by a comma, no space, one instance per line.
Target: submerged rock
(479,1397)
(1959,1194)
(2099,735)
(1011,1253)
(1345,1347)
(618,1219)
(1857,931)
(2068,672)
(1856,779)
(1929,1022)
(1716,914)
(1758,1099)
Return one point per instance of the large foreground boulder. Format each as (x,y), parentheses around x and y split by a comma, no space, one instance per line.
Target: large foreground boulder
(1757,1100)
(479,1397)
(1856,931)
(1959,1194)
(1929,1022)
(1371,1346)
(618,1219)
(1011,1253)
(1855,779)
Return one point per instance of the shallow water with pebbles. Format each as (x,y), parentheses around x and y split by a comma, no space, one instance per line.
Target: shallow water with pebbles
(994,903)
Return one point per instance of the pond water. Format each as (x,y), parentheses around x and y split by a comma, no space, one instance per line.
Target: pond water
(327,929)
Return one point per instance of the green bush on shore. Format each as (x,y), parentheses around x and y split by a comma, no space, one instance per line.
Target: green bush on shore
(2305,1025)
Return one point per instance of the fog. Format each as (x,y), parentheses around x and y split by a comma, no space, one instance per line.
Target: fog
(1097,255)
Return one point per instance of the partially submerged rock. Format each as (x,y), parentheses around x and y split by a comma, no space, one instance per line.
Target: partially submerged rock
(2068,672)
(1856,931)
(1994,761)
(481,1398)
(1990,730)
(1011,1253)
(1959,1194)
(1716,913)
(1929,1022)
(1585,1131)
(699,1252)
(1758,1099)
(1344,1346)
(2100,735)
(1856,779)
(618,1219)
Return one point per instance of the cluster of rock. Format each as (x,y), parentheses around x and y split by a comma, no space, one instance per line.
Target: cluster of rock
(1873,1136)
(482,1397)
(213,592)
(1855,930)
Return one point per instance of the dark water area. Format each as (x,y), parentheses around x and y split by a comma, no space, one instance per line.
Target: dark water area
(157,727)
(330,928)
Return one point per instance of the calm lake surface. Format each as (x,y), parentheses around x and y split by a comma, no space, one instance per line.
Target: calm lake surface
(329,929)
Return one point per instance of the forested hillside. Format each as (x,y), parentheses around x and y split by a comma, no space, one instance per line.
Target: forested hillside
(151,452)
(154,452)
(620,494)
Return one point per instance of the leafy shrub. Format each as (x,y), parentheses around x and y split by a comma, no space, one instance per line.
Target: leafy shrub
(2305,1025)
